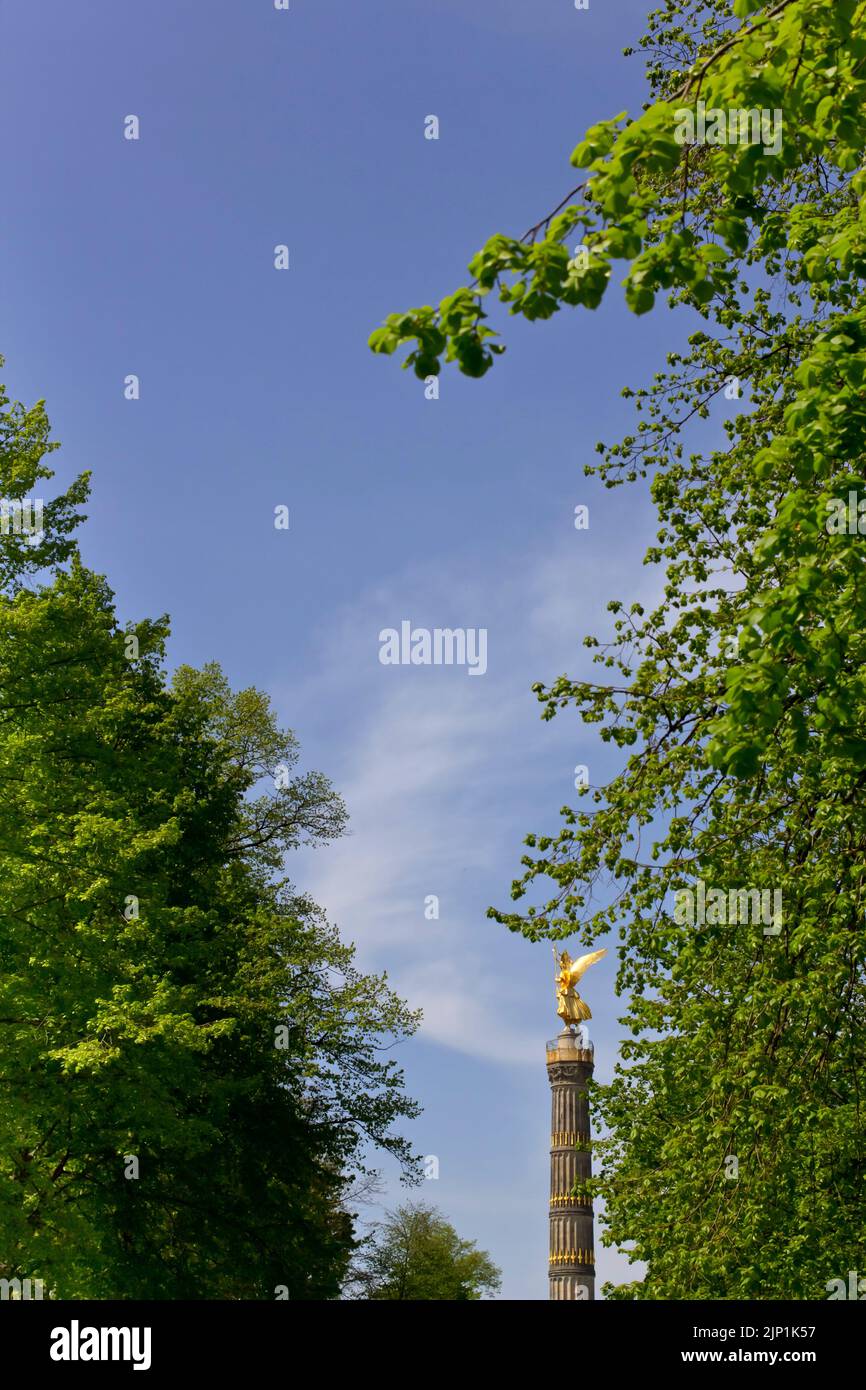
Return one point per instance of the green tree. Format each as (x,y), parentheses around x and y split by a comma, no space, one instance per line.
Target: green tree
(191,1067)
(734,1160)
(416,1254)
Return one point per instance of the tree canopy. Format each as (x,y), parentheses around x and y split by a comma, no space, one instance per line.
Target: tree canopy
(415,1254)
(191,1067)
(734,1158)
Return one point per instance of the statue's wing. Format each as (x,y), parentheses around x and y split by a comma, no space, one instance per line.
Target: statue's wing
(582,964)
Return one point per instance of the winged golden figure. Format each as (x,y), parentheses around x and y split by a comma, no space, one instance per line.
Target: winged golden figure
(569,1005)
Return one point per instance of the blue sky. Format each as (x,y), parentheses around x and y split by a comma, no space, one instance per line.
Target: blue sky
(155,257)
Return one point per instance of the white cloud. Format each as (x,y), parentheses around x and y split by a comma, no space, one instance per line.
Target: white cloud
(440,772)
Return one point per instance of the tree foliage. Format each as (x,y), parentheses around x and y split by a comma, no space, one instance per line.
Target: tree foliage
(191,1067)
(738,702)
(416,1254)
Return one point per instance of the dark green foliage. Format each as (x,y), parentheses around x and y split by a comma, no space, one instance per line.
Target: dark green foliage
(164,996)
(416,1254)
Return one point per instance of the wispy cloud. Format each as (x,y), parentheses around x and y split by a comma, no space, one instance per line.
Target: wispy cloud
(442,774)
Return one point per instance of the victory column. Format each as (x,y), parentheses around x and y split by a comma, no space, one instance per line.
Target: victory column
(571,1269)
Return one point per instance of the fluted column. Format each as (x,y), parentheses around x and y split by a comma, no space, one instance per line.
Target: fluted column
(571,1260)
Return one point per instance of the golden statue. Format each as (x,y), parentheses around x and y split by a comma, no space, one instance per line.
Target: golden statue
(569,1005)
